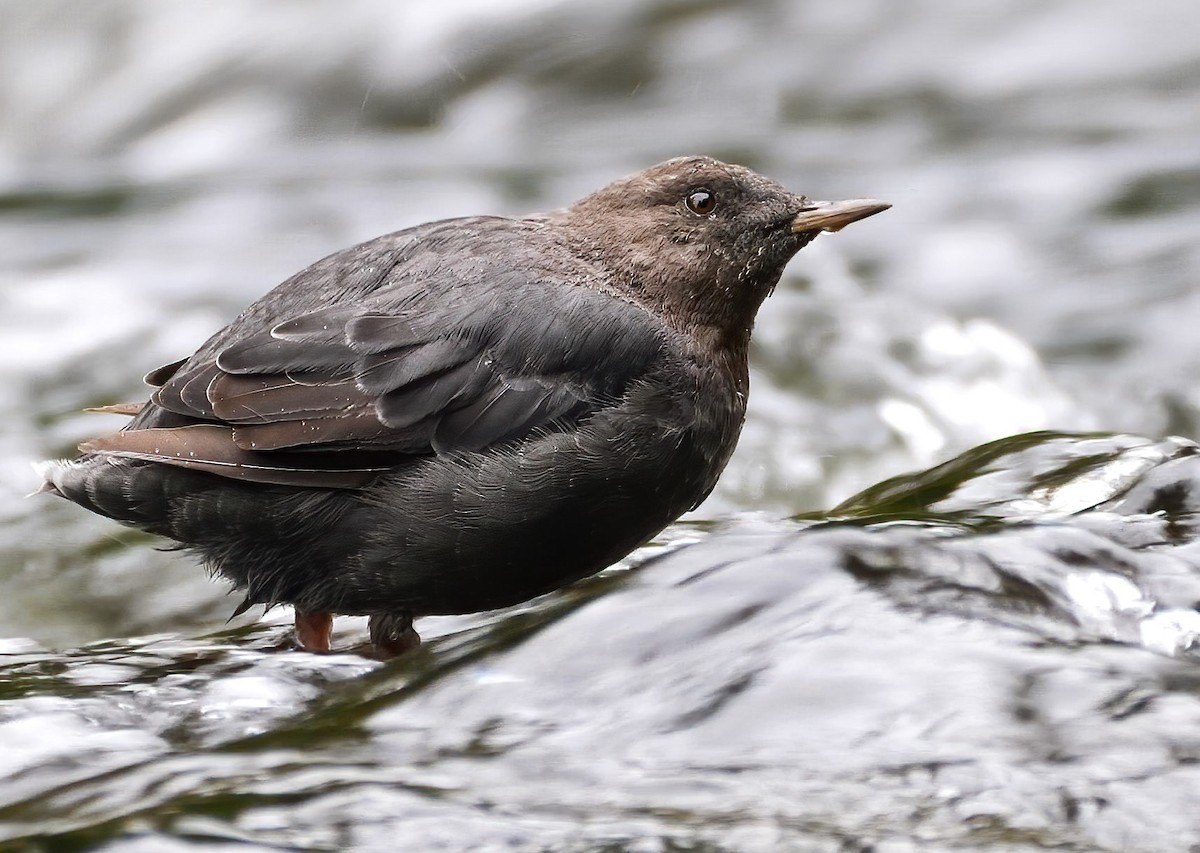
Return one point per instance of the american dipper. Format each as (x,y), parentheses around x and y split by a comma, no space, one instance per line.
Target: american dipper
(466,414)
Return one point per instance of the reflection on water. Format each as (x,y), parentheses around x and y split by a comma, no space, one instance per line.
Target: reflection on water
(995,653)
(903,670)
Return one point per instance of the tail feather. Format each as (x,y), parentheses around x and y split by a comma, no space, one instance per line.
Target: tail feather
(45,470)
(261,537)
(128,492)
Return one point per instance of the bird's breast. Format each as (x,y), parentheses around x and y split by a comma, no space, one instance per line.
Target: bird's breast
(472,531)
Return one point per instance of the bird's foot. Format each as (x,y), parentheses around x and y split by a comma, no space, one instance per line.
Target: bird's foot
(314,631)
(392,635)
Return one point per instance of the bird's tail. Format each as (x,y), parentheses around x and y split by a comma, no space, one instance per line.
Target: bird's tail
(189,506)
(125,490)
(260,537)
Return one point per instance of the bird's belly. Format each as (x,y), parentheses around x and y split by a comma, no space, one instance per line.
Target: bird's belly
(477,531)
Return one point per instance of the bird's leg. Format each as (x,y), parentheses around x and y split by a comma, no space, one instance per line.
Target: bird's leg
(314,630)
(392,634)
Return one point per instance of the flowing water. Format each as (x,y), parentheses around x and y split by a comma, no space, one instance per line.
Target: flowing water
(996,654)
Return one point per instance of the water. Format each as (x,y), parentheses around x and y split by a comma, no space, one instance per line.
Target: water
(997,655)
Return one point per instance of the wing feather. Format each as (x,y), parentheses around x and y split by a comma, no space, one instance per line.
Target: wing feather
(266,354)
(209,447)
(442,351)
(379,373)
(275,397)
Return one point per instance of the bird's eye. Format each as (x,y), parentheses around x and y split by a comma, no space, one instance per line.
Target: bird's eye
(701,202)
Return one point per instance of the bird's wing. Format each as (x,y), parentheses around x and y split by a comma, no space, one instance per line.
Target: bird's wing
(333,396)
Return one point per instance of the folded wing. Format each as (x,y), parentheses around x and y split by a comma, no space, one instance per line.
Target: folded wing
(336,395)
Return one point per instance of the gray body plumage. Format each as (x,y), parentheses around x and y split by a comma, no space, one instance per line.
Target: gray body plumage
(465,414)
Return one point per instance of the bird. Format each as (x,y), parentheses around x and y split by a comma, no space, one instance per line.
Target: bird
(465,414)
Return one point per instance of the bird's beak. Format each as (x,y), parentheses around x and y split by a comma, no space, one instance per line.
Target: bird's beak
(835,215)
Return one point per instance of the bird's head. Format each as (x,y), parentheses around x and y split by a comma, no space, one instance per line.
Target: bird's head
(700,241)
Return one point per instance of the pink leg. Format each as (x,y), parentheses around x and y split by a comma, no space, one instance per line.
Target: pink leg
(314,630)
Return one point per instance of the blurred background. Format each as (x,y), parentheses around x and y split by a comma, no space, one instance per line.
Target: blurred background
(162,164)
